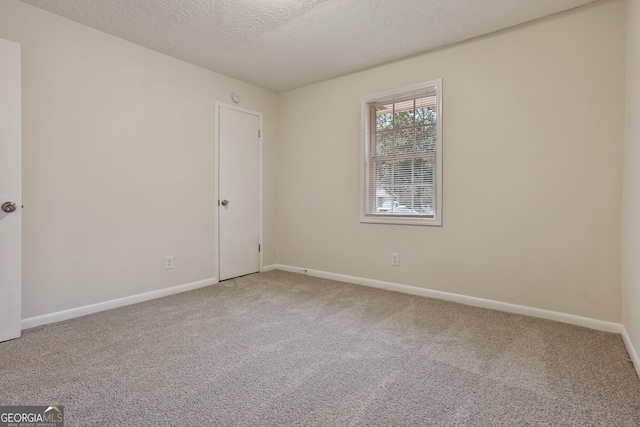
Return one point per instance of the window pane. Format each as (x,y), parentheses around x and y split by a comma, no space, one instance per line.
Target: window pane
(404,114)
(426,110)
(384,199)
(402,172)
(424,200)
(402,182)
(384,143)
(405,141)
(423,171)
(426,139)
(405,187)
(384,117)
(384,175)
(404,195)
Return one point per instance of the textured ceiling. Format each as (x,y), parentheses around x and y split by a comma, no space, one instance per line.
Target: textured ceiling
(284,44)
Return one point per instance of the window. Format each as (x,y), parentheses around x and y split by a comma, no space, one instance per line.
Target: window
(402,165)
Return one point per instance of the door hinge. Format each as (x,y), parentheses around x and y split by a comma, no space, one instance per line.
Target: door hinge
(259,133)
(259,247)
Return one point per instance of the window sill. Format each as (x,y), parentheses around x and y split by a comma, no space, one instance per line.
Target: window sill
(400,220)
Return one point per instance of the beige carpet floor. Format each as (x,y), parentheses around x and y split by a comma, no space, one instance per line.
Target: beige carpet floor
(282,349)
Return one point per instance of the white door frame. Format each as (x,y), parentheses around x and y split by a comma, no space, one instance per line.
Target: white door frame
(216,221)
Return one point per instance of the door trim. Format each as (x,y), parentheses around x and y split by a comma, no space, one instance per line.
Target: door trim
(216,194)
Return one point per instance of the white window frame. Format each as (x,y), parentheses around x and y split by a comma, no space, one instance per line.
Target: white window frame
(368,217)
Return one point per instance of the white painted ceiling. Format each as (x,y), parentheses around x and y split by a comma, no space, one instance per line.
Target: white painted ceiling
(284,44)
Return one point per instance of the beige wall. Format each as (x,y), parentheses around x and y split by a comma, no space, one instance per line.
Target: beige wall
(118,163)
(631,195)
(533,129)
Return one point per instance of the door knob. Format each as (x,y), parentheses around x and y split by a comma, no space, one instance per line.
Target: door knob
(9,207)
(224,203)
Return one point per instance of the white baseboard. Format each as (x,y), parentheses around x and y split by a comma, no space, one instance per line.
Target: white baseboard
(269,267)
(633,354)
(463,299)
(107,305)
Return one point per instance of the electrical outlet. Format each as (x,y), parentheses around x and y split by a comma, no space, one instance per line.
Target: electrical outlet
(168,262)
(395,259)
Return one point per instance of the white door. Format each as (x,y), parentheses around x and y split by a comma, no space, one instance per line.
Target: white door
(238,192)
(10,191)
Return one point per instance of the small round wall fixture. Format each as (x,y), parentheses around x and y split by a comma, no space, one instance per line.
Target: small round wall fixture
(235,97)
